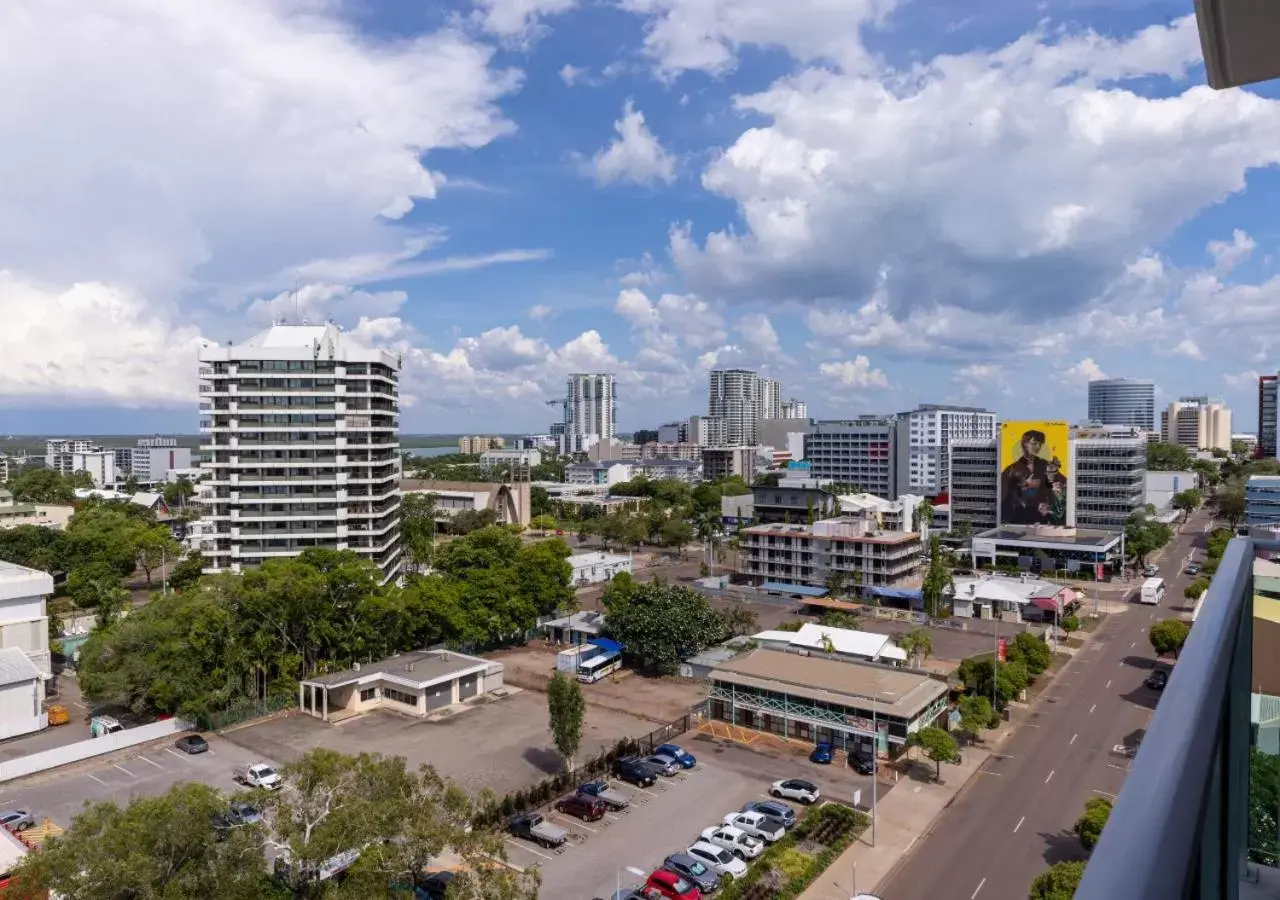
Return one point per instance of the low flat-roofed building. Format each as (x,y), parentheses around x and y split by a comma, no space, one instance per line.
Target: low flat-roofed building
(21,694)
(661,469)
(1011,598)
(418,683)
(1046,548)
(593,568)
(737,511)
(13,513)
(838,643)
(812,698)
(575,629)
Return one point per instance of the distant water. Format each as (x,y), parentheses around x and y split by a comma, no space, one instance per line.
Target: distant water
(431,451)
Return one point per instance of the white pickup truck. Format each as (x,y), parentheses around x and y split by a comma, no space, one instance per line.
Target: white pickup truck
(258,775)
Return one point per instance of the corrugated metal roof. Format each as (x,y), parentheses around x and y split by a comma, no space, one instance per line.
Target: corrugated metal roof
(1263,708)
(15,668)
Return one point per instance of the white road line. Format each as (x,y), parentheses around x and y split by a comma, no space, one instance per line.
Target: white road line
(977,889)
(1104,793)
(1092,708)
(577,824)
(1114,766)
(78,704)
(124,770)
(530,849)
(1050,776)
(1133,644)
(981,772)
(156,764)
(172,752)
(1108,683)
(1073,739)
(97,779)
(1019,825)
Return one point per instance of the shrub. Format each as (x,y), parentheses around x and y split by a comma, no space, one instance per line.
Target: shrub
(793,864)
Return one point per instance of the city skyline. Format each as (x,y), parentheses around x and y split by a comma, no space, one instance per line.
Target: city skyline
(604,205)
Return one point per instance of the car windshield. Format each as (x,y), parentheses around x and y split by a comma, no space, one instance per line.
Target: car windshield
(265,771)
(681,886)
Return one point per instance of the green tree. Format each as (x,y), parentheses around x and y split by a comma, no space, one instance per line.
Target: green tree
(469,520)
(936,744)
(1210,473)
(1058,883)
(1069,624)
(1264,801)
(618,592)
(1162,457)
(155,546)
(81,478)
(835,582)
(923,514)
(164,846)
(1186,502)
(1030,650)
(917,643)
(1144,535)
(91,584)
(176,493)
(661,625)
(1011,678)
(975,714)
(540,501)
(36,547)
(543,523)
(43,486)
(739,621)
(418,514)
(187,571)
(1091,822)
(1168,636)
(131,484)
(840,618)
(567,708)
(543,572)
(676,533)
(1195,589)
(1230,502)
(937,578)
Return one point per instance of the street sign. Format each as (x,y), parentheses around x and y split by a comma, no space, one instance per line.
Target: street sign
(857,799)
(1000,650)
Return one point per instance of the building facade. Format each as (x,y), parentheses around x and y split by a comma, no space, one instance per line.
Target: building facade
(479,443)
(809,554)
(770,398)
(734,396)
(516,462)
(24,613)
(590,411)
(930,430)
(706,431)
(1268,422)
(688,471)
(1262,500)
(1198,423)
(723,462)
(673,433)
(974,485)
(155,457)
(1110,480)
(301,443)
(598,473)
(868,452)
(793,409)
(1123,401)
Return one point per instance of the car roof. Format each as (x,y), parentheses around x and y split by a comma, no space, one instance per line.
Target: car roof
(15,812)
(799,782)
(707,847)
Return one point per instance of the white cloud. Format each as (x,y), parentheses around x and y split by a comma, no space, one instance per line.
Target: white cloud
(706,35)
(504,349)
(168,139)
(1227,255)
(856,372)
(672,320)
(1080,374)
(759,334)
(1189,349)
(570,74)
(635,156)
(518,21)
(1018,182)
(319,302)
(540,311)
(635,307)
(1242,381)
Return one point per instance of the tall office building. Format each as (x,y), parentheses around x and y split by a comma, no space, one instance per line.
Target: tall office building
(1109,477)
(793,409)
(1198,423)
(930,430)
(1123,401)
(973,473)
(1268,422)
(869,452)
(770,398)
(735,396)
(590,411)
(301,443)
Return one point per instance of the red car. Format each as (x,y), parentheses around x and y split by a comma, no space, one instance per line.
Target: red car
(589,809)
(665,885)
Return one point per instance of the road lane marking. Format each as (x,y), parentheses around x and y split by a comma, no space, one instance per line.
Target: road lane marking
(1114,766)
(97,779)
(1019,825)
(156,764)
(78,704)
(1073,739)
(1050,776)
(530,849)
(124,770)
(978,888)
(172,752)
(1104,793)
(1108,683)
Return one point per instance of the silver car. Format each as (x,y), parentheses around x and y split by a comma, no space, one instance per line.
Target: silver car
(17,819)
(663,765)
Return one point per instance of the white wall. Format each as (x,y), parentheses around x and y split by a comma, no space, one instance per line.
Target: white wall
(20,711)
(108,743)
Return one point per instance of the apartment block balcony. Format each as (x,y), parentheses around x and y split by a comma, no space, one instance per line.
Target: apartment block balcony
(1181,825)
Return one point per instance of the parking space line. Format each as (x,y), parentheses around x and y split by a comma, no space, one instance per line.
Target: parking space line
(124,770)
(97,779)
(573,823)
(530,849)
(156,764)
(173,753)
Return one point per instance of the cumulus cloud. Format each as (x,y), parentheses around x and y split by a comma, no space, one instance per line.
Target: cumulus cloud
(1189,349)
(570,74)
(857,372)
(518,21)
(168,139)
(1229,254)
(758,334)
(1017,182)
(1081,373)
(539,311)
(316,303)
(635,156)
(1242,381)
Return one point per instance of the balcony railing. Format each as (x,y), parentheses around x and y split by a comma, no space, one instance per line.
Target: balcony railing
(1179,827)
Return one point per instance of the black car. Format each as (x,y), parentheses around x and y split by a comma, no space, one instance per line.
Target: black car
(634,770)
(434,886)
(192,743)
(863,765)
(1157,680)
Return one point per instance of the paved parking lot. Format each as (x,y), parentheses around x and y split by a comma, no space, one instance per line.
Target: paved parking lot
(120,777)
(503,745)
(666,818)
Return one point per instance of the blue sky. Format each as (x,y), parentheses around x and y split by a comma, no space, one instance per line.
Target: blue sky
(879,202)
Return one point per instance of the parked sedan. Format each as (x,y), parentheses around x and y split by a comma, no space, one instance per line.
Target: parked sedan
(686,760)
(1157,679)
(17,819)
(1193,569)
(863,765)
(822,753)
(692,869)
(773,808)
(192,743)
(796,789)
(588,809)
(719,860)
(669,886)
(663,765)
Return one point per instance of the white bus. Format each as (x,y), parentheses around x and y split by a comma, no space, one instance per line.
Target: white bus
(599,666)
(1152,591)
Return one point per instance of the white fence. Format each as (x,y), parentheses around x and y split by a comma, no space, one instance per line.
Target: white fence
(108,743)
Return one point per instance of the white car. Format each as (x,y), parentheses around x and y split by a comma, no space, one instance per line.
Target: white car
(805,792)
(718,860)
(758,825)
(735,840)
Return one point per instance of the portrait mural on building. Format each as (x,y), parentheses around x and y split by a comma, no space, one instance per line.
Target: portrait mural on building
(1034,464)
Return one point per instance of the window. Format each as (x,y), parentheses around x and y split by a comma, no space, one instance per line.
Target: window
(400,696)
(368,694)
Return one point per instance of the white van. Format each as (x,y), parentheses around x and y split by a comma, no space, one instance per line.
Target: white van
(1152,591)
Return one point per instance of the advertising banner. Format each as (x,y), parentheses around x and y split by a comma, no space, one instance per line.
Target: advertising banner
(1034,466)
(1000,651)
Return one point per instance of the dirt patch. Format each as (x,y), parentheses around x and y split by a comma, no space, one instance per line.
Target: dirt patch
(660,700)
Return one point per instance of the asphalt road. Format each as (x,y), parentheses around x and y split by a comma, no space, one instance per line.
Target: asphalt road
(1015,819)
